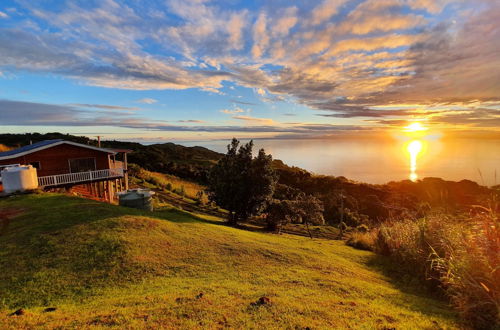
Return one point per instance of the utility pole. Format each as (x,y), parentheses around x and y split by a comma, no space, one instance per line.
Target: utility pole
(341,224)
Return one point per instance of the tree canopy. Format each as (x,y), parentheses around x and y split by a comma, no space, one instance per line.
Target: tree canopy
(240,183)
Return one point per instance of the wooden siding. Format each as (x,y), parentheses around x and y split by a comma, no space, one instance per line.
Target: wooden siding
(55,160)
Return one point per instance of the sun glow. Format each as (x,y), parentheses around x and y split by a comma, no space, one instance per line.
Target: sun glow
(415,127)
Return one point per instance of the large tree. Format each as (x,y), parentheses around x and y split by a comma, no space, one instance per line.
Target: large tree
(240,183)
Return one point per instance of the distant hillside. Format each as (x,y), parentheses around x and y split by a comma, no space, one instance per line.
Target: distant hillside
(104,266)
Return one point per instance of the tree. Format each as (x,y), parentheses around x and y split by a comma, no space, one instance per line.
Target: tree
(279,213)
(241,184)
(304,208)
(310,209)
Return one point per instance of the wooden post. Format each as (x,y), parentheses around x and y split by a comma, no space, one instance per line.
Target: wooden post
(125,165)
(99,188)
(110,191)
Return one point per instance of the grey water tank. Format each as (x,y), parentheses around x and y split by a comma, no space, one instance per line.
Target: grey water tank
(137,198)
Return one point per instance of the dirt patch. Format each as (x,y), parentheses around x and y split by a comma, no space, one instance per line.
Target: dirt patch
(6,215)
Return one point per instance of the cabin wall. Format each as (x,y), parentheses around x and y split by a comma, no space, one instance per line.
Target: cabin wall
(55,160)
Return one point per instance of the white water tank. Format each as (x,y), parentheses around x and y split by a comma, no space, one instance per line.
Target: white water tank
(19,178)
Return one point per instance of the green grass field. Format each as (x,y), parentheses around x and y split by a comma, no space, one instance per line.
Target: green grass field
(103,266)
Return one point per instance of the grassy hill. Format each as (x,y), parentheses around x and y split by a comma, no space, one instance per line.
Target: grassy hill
(101,265)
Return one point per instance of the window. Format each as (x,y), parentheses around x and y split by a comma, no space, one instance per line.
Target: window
(82,165)
(36,165)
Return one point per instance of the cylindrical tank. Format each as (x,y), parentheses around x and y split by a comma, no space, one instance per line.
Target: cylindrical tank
(19,178)
(137,198)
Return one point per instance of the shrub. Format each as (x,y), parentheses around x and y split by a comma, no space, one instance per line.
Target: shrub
(362,240)
(461,255)
(3,148)
(362,228)
(200,198)
(470,271)
(280,213)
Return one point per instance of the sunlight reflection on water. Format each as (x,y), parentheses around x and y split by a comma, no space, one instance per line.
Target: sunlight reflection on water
(383,160)
(414,148)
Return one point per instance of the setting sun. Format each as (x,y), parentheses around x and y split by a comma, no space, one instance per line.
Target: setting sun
(415,127)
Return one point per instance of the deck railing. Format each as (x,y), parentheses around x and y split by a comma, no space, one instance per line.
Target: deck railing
(69,178)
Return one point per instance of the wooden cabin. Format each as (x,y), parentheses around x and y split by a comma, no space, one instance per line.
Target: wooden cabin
(91,171)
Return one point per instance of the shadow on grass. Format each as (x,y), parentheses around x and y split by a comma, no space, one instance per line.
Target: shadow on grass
(405,279)
(47,213)
(181,216)
(424,297)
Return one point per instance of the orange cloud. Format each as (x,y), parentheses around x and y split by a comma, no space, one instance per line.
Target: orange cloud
(371,44)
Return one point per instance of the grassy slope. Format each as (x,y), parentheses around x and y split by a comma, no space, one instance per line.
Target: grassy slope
(103,265)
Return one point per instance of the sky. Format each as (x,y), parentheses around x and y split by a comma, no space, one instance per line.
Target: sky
(199,69)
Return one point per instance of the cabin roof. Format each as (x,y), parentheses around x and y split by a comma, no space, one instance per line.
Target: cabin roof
(45,145)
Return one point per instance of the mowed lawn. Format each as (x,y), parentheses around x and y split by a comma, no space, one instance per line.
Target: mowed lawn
(101,265)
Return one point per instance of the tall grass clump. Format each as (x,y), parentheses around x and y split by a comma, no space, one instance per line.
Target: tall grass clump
(460,255)
(362,238)
(3,148)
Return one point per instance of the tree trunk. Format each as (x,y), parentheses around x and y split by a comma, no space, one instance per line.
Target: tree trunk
(232,219)
(308,230)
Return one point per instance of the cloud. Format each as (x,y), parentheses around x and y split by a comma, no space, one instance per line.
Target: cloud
(451,62)
(191,121)
(325,10)
(474,118)
(254,119)
(103,106)
(367,17)
(432,6)
(337,57)
(3,15)
(260,91)
(20,113)
(260,36)
(31,113)
(232,111)
(147,101)
(242,102)
(286,22)
(372,44)
(363,112)
(235,28)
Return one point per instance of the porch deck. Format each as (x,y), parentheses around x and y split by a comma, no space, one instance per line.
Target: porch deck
(80,177)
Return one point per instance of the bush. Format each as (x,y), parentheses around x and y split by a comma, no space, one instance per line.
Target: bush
(362,228)
(280,213)
(362,240)
(200,198)
(462,256)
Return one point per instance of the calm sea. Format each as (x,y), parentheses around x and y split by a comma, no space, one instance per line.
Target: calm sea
(380,161)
